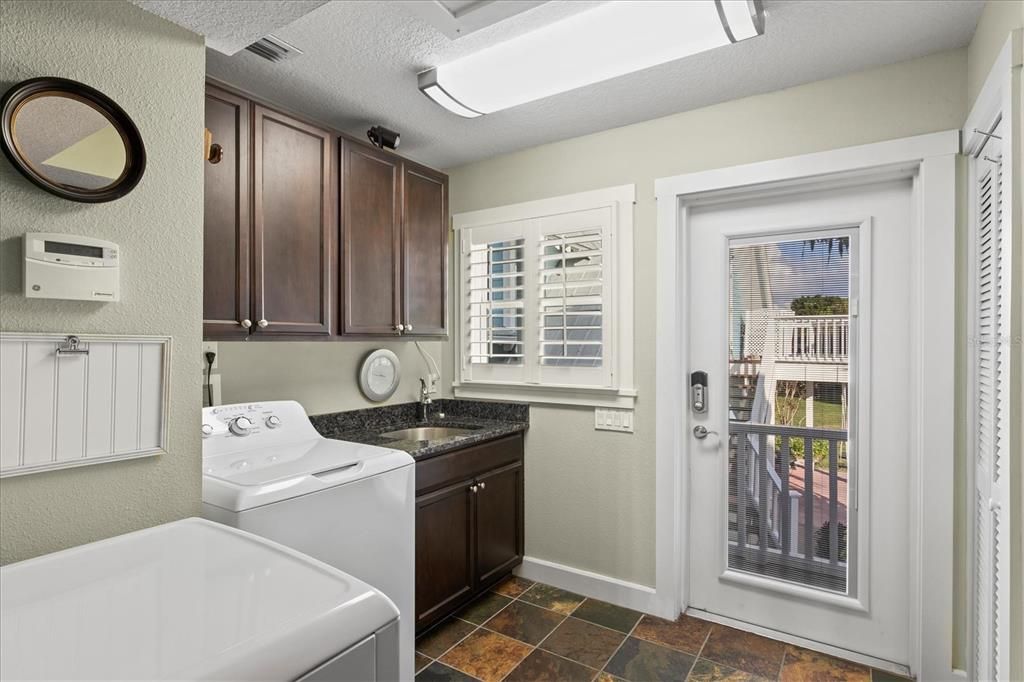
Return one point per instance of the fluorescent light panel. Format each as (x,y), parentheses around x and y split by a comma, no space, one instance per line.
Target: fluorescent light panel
(610,40)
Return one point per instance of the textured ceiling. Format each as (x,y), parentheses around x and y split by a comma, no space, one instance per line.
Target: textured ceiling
(361,61)
(230,25)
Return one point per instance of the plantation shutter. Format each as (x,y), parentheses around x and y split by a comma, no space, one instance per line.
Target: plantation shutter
(494,260)
(992,421)
(573,295)
(536,298)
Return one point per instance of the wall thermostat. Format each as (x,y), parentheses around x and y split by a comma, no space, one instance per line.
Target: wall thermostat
(71,267)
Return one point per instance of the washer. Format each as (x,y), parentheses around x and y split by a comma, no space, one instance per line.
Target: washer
(266,470)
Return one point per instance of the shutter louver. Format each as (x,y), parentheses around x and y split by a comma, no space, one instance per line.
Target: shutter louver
(495,288)
(991,419)
(571,299)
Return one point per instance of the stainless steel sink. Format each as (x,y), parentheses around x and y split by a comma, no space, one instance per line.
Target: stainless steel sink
(427,433)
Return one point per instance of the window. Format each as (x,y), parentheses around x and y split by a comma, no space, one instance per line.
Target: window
(546,293)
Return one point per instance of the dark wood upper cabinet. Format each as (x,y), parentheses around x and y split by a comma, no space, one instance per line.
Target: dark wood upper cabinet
(312,234)
(394,245)
(424,251)
(371,241)
(226,227)
(292,225)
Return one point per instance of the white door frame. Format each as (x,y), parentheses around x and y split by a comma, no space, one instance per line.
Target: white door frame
(931,161)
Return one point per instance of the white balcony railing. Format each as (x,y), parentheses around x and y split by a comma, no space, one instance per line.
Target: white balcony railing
(790,518)
(812,338)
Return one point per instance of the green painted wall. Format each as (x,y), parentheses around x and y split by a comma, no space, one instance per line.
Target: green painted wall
(590,494)
(155,71)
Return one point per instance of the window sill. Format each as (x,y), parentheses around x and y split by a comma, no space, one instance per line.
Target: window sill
(549,395)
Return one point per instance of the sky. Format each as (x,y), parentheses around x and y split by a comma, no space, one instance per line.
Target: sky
(797,271)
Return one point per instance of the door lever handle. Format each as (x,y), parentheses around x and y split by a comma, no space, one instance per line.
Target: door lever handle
(700,432)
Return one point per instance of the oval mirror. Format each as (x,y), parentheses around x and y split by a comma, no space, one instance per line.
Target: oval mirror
(71,140)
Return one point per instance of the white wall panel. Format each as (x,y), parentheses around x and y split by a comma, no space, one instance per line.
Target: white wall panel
(62,409)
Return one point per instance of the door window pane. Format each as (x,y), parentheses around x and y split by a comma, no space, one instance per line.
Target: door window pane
(789,409)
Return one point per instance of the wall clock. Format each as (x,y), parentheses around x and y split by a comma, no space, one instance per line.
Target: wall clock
(380,374)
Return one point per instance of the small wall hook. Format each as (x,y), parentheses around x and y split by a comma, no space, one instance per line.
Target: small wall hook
(71,347)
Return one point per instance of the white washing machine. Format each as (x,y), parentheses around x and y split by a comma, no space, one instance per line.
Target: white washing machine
(266,470)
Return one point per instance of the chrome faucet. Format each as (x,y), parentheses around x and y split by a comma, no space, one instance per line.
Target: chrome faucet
(423,408)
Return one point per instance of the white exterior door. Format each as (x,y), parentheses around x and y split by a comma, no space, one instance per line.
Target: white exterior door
(800,510)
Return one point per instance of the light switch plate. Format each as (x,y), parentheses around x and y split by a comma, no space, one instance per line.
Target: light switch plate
(608,419)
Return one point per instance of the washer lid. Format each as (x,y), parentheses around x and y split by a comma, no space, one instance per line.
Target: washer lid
(242,480)
(185,600)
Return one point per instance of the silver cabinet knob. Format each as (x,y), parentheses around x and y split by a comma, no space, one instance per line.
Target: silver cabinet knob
(262,323)
(246,324)
(399,328)
(482,485)
(408,327)
(472,488)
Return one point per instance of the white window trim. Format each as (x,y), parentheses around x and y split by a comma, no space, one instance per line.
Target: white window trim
(622,392)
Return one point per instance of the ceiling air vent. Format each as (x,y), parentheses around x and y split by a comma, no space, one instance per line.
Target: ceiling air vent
(273,49)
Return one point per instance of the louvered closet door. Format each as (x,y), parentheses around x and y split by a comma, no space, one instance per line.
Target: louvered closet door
(992,420)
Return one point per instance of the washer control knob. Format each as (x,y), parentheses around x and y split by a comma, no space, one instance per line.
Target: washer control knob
(241,426)
(207,430)
(273,421)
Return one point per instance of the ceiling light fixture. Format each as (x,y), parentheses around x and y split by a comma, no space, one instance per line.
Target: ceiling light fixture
(610,40)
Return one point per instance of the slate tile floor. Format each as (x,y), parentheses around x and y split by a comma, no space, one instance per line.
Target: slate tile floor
(531,632)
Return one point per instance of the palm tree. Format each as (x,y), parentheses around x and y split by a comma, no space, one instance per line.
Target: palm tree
(839,244)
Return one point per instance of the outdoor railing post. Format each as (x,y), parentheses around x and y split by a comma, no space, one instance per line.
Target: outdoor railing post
(833,494)
(762,471)
(808,498)
(741,490)
(784,504)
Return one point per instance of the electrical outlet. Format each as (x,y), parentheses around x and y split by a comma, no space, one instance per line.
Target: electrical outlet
(608,419)
(209,347)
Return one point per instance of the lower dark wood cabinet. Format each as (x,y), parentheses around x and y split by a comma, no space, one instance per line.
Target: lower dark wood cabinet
(444,551)
(499,527)
(469,525)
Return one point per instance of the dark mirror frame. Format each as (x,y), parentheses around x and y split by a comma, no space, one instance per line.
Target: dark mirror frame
(135,151)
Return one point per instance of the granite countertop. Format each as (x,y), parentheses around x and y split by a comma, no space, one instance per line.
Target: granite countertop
(487,420)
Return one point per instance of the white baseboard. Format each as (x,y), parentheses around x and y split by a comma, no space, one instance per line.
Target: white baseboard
(603,587)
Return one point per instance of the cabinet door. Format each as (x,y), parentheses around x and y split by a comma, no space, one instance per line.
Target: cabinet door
(499,522)
(292,232)
(424,251)
(226,226)
(371,230)
(444,551)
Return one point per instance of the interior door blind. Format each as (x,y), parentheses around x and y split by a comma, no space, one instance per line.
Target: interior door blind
(992,421)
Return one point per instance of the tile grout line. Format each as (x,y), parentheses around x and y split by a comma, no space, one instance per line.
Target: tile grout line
(700,650)
(458,642)
(619,647)
(535,647)
(477,628)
